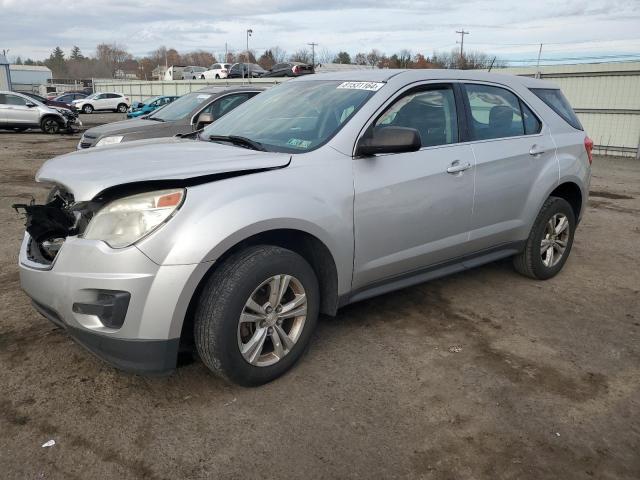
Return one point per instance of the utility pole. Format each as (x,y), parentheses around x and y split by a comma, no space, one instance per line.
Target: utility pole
(538,64)
(313,53)
(225,53)
(249,32)
(462,34)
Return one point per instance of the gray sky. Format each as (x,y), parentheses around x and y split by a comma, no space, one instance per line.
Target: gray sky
(510,30)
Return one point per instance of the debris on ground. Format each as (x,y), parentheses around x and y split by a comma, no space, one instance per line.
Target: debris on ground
(455,348)
(50,443)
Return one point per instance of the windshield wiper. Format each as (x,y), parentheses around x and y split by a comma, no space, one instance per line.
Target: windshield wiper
(155,119)
(238,140)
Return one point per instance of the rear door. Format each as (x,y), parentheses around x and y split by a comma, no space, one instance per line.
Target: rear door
(413,210)
(513,152)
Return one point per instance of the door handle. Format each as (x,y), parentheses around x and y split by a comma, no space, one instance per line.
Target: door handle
(535,150)
(457,167)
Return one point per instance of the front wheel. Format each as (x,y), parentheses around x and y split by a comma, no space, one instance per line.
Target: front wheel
(50,125)
(549,242)
(256,313)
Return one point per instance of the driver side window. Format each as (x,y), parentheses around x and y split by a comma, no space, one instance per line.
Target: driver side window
(431,111)
(15,100)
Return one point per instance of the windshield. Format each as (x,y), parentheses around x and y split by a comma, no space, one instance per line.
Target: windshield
(148,100)
(180,108)
(294,117)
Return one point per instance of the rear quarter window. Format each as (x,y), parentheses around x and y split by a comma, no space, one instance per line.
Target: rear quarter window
(557,102)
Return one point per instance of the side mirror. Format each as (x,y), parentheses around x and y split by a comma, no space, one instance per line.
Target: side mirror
(30,105)
(203,120)
(389,140)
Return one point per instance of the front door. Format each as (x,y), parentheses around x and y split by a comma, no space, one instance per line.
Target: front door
(413,210)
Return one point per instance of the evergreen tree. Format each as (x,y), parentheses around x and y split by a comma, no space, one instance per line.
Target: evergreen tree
(76,54)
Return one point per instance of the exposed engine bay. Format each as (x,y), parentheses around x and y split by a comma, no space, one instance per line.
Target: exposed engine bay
(50,224)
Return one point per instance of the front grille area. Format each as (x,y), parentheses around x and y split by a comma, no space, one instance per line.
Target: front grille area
(85,144)
(86,141)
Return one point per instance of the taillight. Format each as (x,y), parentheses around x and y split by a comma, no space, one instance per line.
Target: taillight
(588,146)
(296,69)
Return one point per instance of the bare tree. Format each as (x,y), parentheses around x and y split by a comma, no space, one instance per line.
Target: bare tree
(302,55)
(374,57)
(360,59)
(324,55)
(279,55)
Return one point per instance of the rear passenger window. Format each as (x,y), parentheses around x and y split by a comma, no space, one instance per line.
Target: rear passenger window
(431,112)
(531,123)
(559,104)
(496,113)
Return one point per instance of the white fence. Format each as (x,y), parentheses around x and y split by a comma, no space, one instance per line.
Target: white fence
(137,90)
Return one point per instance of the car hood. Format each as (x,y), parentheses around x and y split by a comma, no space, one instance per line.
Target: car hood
(126,127)
(85,173)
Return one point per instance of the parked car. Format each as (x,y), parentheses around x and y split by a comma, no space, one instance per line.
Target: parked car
(138,109)
(69,97)
(216,71)
(19,112)
(185,115)
(290,69)
(246,70)
(320,192)
(51,102)
(192,73)
(115,102)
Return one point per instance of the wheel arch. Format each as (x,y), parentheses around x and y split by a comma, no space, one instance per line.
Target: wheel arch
(309,246)
(572,193)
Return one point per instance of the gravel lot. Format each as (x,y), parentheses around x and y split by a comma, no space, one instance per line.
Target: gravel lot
(484,374)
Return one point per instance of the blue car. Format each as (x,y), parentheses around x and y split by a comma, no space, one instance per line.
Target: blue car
(148,105)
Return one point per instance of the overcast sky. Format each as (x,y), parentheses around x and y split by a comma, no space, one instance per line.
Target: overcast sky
(510,30)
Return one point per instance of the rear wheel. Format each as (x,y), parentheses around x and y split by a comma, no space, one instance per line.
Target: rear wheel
(256,314)
(87,108)
(549,242)
(122,108)
(50,125)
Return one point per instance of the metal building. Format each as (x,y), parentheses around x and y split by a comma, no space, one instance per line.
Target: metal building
(27,78)
(606,98)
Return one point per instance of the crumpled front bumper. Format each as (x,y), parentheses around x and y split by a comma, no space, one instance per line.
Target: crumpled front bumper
(148,340)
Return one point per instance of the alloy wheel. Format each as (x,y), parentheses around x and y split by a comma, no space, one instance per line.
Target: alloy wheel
(555,239)
(272,320)
(50,126)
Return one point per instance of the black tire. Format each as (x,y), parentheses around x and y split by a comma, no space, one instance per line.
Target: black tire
(529,262)
(87,109)
(122,108)
(217,77)
(223,299)
(50,125)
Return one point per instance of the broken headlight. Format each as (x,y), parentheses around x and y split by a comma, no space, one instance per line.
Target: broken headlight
(123,222)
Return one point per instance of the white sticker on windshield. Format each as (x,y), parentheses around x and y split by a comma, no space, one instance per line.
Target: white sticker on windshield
(371,86)
(203,97)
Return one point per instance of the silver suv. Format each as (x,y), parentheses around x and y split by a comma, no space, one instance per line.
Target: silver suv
(320,192)
(19,112)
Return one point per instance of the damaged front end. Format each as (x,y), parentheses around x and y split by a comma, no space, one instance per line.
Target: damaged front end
(49,224)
